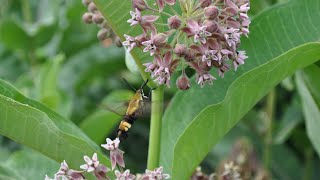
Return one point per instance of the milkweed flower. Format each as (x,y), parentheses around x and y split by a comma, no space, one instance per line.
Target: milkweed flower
(125,175)
(156,174)
(116,155)
(65,173)
(93,165)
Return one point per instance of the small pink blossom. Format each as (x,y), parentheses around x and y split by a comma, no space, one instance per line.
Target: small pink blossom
(65,172)
(156,174)
(146,21)
(156,42)
(130,42)
(166,66)
(232,36)
(199,32)
(240,57)
(91,164)
(135,17)
(116,155)
(125,175)
(204,78)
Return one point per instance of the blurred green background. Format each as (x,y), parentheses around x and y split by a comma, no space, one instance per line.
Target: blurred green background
(50,55)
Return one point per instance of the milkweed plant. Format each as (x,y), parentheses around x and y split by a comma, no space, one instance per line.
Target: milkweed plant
(203,35)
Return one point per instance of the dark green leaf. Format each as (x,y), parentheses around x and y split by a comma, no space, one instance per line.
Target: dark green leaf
(31,123)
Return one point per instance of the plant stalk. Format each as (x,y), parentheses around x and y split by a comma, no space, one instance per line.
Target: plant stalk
(155,128)
(26,11)
(270,106)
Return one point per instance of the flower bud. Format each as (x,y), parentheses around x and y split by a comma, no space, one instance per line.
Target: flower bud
(92,8)
(180,50)
(86,2)
(174,22)
(139,4)
(211,12)
(205,3)
(103,34)
(183,82)
(118,42)
(211,26)
(104,24)
(190,55)
(87,18)
(98,18)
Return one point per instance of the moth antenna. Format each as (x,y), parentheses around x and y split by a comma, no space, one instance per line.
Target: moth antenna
(144,84)
(129,84)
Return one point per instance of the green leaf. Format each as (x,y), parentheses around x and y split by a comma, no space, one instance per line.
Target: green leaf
(100,123)
(31,123)
(278,45)
(306,86)
(29,164)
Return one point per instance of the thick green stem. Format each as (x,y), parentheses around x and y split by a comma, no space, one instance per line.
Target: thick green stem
(26,10)
(155,128)
(270,106)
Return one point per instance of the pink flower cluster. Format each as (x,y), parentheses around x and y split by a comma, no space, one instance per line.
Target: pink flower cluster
(205,35)
(93,165)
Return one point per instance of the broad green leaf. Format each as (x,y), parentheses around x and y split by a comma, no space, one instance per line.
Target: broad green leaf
(306,86)
(278,45)
(100,123)
(29,164)
(34,125)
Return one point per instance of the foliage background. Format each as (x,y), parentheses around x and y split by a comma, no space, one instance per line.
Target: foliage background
(50,56)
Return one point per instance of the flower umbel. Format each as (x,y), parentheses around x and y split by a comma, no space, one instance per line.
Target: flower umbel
(206,35)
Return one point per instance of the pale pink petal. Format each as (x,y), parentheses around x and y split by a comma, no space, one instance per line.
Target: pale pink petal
(170,2)
(160,4)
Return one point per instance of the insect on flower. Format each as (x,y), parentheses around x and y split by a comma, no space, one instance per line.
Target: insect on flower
(133,110)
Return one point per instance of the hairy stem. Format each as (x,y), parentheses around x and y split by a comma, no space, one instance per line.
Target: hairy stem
(155,128)
(270,106)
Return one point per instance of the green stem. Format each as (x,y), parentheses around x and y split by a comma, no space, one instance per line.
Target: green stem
(26,10)
(270,106)
(308,164)
(155,128)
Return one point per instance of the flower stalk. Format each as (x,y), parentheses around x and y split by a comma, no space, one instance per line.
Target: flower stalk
(155,128)
(270,106)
